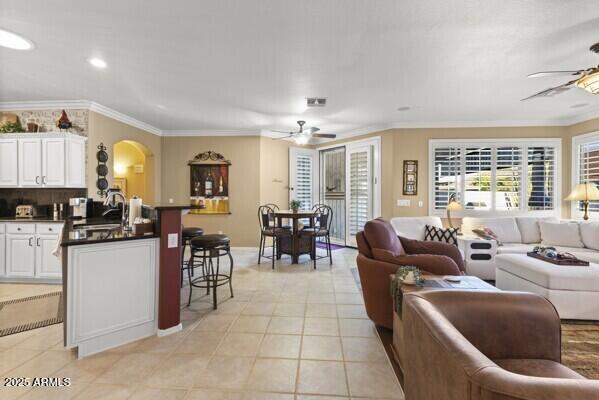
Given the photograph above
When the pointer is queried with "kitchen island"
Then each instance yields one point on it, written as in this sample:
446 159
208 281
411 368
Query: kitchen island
119 287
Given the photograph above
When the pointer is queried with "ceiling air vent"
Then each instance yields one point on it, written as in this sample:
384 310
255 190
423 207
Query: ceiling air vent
316 101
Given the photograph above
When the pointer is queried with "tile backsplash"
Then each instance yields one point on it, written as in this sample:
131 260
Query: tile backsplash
11 198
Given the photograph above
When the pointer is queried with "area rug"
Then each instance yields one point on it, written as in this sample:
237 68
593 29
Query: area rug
323 245
580 348
28 313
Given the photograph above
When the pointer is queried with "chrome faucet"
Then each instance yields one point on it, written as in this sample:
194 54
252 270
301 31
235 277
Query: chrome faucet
110 200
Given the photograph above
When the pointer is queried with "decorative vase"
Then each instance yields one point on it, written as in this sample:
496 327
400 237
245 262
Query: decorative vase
294 210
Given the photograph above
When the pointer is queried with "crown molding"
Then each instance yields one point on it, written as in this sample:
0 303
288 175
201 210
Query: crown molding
79 104
211 132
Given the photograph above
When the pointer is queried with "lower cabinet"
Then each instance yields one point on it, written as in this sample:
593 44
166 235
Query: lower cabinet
26 251
20 255
47 265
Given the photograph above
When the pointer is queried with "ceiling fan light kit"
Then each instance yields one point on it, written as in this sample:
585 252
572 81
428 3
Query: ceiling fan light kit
590 82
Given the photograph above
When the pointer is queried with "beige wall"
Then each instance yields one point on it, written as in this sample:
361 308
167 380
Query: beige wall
109 131
127 155
244 183
274 171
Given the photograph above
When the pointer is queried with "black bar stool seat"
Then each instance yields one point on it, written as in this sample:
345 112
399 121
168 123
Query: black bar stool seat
191 232
210 247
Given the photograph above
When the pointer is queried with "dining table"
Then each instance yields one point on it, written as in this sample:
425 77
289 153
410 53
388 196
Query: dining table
296 244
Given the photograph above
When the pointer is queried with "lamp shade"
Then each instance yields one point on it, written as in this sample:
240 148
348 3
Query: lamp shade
454 206
590 82
584 192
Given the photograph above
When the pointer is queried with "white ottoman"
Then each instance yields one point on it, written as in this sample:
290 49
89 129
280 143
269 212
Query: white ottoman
574 291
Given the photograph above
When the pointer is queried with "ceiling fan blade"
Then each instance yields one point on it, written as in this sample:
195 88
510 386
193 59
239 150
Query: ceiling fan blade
324 135
290 135
543 74
551 91
287 132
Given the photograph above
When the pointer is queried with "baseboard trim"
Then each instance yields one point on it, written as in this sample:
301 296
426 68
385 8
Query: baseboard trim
169 331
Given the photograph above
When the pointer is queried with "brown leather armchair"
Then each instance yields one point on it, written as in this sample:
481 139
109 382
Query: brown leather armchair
381 253
486 345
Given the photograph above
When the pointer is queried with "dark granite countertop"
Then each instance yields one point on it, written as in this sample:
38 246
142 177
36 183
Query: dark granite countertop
74 234
30 219
175 206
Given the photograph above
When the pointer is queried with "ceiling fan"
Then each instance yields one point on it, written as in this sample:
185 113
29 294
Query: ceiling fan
587 79
303 136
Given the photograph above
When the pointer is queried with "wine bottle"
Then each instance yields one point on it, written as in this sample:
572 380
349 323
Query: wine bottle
208 184
220 185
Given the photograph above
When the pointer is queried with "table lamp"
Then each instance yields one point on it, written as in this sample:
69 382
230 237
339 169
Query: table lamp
584 192
453 205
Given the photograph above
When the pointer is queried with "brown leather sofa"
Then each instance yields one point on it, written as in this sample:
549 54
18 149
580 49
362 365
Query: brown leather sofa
381 253
486 346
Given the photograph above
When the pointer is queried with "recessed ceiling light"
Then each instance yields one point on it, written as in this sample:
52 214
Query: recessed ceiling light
97 62
403 108
14 41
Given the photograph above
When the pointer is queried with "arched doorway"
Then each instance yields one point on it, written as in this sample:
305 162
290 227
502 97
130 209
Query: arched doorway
133 169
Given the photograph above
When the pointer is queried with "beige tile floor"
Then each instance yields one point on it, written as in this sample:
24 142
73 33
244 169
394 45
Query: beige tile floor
290 334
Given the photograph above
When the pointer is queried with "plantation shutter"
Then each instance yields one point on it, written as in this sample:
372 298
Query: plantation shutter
541 176
360 196
447 175
588 169
508 178
478 178
304 185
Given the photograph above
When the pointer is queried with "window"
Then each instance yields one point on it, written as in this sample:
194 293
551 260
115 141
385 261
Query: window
495 177
585 168
304 180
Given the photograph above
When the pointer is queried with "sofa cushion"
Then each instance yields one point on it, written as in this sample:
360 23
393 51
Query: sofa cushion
538 368
529 228
380 235
550 276
505 228
560 234
413 227
589 233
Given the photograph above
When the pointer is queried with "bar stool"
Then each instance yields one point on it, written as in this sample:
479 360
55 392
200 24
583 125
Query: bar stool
186 235
209 247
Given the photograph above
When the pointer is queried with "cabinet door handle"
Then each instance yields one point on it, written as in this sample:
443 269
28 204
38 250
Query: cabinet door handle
38 242
37 180
44 179
30 241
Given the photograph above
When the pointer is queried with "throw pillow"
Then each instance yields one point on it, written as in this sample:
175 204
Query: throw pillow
487 234
565 234
434 234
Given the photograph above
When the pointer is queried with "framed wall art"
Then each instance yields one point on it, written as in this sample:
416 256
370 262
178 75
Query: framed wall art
410 177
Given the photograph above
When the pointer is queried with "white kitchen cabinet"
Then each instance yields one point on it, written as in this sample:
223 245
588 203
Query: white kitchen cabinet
42 160
20 255
28 251
47 265
75 162
53 162
30 162
9 176
2 251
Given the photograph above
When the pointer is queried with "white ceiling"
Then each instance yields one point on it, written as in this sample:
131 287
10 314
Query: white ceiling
245 66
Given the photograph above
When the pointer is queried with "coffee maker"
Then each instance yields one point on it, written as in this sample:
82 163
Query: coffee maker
81 207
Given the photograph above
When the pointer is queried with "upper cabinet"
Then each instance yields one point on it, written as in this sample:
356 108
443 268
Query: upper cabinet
42 160
9 176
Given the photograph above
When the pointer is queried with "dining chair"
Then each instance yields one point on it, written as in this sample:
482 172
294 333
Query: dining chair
321 229
269 228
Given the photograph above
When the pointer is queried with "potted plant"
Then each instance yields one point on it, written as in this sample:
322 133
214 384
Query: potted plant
295 205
